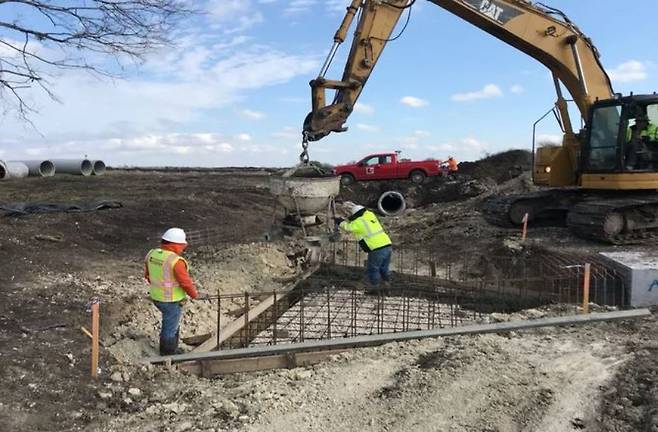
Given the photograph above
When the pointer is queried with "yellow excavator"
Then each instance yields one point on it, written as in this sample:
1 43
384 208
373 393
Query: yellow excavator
601 181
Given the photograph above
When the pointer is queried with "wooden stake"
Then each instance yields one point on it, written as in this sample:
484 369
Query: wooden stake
95 321
586 289
525 227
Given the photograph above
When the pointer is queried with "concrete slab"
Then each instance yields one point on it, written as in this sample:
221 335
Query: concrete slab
640 270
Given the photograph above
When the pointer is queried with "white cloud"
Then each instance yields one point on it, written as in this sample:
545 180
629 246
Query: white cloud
473 143
234 15
413 141
549 138
337 5
414 102
299 6
441 147
363 108
36 151
488 91
157 104
516 89
367 128
251 114
295 100
288 133
468 148
182 144
630 71
295 7
243 137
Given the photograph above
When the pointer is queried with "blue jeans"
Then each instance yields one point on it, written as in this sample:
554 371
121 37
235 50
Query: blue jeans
377 267
171 313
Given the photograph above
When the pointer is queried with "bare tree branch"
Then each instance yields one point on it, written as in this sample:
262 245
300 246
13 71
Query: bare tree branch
76 34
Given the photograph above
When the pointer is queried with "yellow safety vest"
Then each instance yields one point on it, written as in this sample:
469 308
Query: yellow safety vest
164 286
651 132
368 231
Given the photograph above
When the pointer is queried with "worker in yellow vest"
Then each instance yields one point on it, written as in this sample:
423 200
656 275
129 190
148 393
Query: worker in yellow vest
365 226
170 284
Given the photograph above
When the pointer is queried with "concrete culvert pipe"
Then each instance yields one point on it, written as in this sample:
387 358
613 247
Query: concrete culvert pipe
3 170
391 203
39 168
82 167
98 167
17 170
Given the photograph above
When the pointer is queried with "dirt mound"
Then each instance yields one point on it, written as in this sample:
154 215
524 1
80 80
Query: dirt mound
501 166
436 189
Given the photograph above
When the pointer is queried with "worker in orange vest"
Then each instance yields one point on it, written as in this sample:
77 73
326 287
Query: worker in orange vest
452 165
170 285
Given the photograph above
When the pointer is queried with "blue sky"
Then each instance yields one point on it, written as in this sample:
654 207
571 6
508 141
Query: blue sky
234 91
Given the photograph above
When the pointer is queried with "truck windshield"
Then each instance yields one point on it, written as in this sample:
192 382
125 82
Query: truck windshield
603 145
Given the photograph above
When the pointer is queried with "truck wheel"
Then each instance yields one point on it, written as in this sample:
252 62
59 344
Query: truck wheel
417 176
346 179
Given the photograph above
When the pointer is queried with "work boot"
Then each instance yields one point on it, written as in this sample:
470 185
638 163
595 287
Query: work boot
174 344
386 287
371 289
170 347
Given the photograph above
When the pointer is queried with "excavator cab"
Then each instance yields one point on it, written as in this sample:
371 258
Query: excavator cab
621 151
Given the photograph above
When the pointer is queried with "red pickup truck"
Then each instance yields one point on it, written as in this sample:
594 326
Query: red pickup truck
387 166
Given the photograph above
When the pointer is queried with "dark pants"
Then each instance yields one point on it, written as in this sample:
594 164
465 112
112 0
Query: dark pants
378 263
171 313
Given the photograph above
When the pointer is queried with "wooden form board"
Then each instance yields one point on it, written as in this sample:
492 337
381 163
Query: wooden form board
211 368
237 325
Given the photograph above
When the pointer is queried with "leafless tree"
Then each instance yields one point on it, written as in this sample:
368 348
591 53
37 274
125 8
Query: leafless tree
53 35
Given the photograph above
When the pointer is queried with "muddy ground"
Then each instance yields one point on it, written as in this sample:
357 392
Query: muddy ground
594 378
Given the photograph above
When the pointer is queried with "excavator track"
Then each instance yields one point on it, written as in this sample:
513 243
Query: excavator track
548 207
612 217
631 220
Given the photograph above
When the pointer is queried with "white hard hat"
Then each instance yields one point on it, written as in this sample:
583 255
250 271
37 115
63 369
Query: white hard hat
356 209
175 235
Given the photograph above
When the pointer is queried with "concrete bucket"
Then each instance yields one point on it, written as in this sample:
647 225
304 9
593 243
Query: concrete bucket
305 196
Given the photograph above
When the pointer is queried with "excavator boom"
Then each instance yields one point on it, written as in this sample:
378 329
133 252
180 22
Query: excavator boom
543 33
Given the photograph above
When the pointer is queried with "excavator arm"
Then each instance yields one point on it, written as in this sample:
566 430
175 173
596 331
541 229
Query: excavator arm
544 33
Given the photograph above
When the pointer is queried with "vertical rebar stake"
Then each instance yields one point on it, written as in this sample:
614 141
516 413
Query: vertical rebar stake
219 317
328 313
274 317
246 320
301 314
95 328
586 289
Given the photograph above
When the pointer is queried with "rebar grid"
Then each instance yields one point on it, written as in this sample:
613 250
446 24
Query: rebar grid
555 276
335 302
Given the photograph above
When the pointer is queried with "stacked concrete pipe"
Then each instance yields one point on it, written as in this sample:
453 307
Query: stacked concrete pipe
98 167
16 169
82 167
39 168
